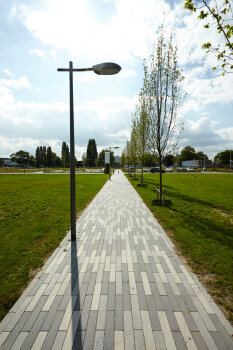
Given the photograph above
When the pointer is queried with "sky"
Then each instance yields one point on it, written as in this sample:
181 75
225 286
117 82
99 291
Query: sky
39 36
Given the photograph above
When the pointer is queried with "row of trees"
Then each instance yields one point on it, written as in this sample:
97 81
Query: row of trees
44 156
222 159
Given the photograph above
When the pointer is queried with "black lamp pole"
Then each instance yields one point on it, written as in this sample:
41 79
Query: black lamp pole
107 68
72 159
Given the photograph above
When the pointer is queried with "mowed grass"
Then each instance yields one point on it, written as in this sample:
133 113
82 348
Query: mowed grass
34 218
200 221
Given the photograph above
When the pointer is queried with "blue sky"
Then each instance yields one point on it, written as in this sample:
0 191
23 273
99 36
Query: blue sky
37 37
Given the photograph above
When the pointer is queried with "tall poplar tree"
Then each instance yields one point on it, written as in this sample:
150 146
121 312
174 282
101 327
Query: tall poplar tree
49 156
91 152
63 153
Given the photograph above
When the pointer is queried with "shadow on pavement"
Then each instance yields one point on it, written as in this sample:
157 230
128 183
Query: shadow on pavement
75 300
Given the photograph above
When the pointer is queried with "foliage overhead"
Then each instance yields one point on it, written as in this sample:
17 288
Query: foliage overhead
220 14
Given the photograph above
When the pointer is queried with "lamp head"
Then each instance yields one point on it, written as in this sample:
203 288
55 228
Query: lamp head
107 68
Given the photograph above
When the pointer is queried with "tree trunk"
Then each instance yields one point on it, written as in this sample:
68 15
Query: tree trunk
141 179
160 179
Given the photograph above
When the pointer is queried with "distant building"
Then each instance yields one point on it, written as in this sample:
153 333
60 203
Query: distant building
197 163
8 162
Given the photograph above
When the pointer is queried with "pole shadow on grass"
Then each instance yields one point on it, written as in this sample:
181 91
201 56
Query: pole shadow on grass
75 299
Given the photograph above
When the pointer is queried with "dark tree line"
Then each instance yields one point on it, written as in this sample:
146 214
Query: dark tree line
46 157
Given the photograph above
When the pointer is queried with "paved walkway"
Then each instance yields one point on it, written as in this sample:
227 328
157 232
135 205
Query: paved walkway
120 287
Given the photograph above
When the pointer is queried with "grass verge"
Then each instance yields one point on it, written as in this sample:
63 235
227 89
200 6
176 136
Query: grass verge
200 222
34 218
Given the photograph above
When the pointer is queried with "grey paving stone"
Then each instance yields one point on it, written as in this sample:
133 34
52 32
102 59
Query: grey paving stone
159 340
15 332
139 340
172 321
51 314
34 314
91 284
125 274
111 296
154 320
34 331
187 298
199 341
109 331
173 303
179 340
157 298
119 315
90 331
223 334
104 289
64 301
38 284
81 297
126 297
59 340
85 313
49 340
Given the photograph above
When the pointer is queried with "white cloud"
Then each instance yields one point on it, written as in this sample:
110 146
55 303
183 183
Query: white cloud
206 135
6 71
15 83
37 52
74 27
43 53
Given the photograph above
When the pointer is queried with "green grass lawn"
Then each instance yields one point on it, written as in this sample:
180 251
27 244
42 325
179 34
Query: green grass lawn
200 221
34 218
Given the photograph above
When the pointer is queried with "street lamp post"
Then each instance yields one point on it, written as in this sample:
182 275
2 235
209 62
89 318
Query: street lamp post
110 161
107 68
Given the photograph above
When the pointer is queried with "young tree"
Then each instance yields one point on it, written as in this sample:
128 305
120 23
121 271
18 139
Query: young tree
123 159
220 13
128 154
133 145
162 87
91 152
142 128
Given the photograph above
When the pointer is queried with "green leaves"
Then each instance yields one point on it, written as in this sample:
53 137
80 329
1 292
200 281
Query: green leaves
221 15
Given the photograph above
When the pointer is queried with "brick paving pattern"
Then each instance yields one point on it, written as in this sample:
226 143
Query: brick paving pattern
120 286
